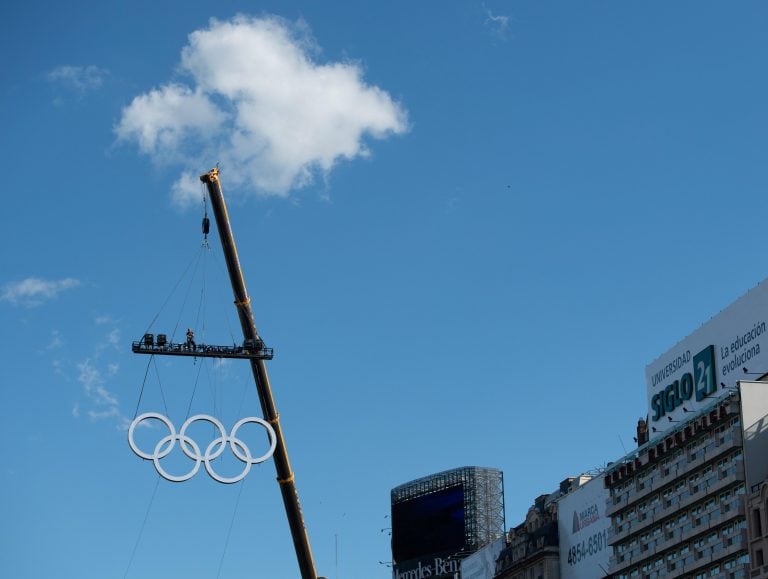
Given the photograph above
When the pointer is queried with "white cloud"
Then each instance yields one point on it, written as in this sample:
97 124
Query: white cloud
81 79
110 341
34 291
122 421
259 103
498 23
104 402
162 118
93 384
56 342
101 414
113 338
97 400
186 189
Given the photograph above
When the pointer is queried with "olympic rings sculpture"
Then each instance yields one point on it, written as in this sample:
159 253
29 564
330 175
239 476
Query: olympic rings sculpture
191 449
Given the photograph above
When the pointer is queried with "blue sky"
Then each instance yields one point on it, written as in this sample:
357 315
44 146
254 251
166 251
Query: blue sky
466 228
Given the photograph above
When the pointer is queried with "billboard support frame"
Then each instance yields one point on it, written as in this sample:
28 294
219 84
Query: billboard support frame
483 500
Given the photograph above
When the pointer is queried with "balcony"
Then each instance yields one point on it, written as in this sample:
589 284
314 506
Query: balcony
708 558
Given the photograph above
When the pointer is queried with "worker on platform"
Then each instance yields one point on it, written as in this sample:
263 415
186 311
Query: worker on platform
191 340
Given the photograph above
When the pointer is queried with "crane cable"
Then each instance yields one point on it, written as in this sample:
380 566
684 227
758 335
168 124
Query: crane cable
202 307
157 480
144 383
206 221
194 389
207 250
176 285
141 529
227 314
206 228
229 531
186 294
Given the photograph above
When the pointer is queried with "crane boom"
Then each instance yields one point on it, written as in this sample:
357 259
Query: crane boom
285 476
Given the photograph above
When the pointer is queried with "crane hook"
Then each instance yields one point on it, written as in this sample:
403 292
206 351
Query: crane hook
206 221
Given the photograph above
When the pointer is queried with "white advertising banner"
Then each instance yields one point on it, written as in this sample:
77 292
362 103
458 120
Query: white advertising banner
754 421
482 565
583 529
707 363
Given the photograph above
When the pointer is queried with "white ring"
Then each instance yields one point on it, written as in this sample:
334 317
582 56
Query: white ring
216 476
270 433
161 471
205 418
137 421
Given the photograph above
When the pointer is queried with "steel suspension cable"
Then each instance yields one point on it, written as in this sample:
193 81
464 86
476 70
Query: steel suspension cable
211 388
168 297
160 385
186 294
141 392
203 304
227 313
141 529
194 389
229 531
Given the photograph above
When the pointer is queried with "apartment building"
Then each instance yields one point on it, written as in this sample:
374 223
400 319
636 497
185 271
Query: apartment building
678 503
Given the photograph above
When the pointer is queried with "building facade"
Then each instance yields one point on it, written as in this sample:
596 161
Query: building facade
757 507
532 550
678 503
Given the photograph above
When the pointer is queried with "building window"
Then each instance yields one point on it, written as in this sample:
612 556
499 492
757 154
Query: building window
759 557
756 522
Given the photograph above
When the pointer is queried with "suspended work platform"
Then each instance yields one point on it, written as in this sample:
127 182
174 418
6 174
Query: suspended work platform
250 349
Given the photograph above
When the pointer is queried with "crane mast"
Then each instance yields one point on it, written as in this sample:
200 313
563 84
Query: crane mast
285 476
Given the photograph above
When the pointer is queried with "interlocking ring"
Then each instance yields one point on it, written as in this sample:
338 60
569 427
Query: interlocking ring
191 449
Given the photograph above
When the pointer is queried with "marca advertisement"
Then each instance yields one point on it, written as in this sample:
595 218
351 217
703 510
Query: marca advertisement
583 529
712 359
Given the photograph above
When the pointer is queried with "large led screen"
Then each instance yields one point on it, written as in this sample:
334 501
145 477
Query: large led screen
433 523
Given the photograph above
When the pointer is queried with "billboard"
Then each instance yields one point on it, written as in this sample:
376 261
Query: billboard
441 518
707 363
428 524
583 530
754 421
482 565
